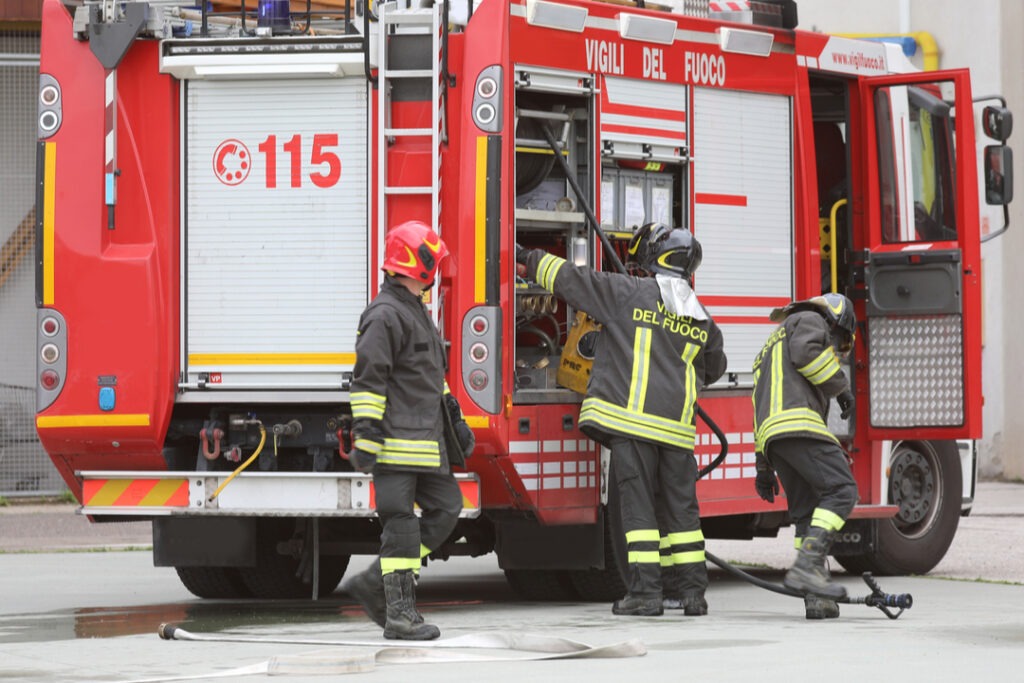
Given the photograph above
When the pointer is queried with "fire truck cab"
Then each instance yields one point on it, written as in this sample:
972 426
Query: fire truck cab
215 187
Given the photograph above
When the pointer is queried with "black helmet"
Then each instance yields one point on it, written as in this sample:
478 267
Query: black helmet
841 318
837 311
657 248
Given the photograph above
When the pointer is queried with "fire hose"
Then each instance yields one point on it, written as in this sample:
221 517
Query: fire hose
877 598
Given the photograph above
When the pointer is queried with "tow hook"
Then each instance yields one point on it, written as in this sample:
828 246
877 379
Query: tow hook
211 429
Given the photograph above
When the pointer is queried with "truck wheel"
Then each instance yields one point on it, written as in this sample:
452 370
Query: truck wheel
541 584
278 576
213 583
927 483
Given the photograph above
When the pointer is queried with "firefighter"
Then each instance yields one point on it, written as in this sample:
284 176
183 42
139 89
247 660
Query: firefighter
398 392
795 375
658 347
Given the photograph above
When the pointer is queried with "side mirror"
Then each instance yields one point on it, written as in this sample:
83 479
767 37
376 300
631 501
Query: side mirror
997 122
998 174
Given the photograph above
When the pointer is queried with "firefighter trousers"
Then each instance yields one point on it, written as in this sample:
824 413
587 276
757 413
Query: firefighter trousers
819 485
406 539
657 488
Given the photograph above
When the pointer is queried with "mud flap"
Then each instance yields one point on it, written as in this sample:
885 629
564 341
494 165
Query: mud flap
858 537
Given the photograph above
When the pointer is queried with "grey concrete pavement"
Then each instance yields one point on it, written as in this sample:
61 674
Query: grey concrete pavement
70 617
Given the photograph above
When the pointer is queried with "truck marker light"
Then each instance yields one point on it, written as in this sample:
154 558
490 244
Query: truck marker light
49 379
478 380
49 353
479 325
486 88
49 327
48 95
553 15
48 121
478 352
485 114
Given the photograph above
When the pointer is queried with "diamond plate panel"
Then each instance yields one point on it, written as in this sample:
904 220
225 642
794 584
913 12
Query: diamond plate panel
916 371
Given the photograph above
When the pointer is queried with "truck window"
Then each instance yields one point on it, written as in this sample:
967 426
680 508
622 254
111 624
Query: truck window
916 164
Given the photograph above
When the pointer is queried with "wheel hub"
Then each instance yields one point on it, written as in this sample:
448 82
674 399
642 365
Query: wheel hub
912 488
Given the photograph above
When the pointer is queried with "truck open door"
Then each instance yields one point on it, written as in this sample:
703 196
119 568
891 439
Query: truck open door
922 272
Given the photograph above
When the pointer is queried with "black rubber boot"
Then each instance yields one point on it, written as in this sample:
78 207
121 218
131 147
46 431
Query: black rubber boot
694 604
820 608
808 574
682 586
636 606
403 621
368 588
671 587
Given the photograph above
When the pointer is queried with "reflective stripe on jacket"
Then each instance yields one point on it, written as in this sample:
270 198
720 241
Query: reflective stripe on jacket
795 375
399 380
649 364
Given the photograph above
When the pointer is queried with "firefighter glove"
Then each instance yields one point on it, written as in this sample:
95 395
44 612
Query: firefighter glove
845 400
766 484
362 461
368 439
522 254
467 440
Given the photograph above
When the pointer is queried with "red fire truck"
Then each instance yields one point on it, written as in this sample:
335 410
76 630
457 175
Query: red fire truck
214 190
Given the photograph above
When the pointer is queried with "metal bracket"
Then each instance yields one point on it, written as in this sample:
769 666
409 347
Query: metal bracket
109 41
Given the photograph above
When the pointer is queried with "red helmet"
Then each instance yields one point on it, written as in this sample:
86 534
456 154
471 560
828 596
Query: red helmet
414 250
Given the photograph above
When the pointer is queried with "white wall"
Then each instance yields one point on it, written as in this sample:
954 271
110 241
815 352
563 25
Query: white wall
984 36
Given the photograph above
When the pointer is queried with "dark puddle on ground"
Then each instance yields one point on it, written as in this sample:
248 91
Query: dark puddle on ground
214 615
208 616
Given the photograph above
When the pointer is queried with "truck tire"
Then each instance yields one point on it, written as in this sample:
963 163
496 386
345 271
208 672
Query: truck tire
927 483
213 583
276 576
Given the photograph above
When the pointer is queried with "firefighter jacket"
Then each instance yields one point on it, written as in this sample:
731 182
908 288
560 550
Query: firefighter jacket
649 363
795 375
398 383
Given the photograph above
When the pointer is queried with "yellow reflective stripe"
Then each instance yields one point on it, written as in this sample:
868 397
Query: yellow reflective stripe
366 404
689 557
641 363
397 564
826 519
792 420
644 557
690 352
103 420
642 535
797 542
368 445
753 400
547 270
821 368
651 427
424 550
682 537
776 399
48 209
790 428
223 359
480 223
405 452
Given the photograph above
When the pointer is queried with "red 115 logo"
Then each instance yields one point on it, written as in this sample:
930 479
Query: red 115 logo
232 161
